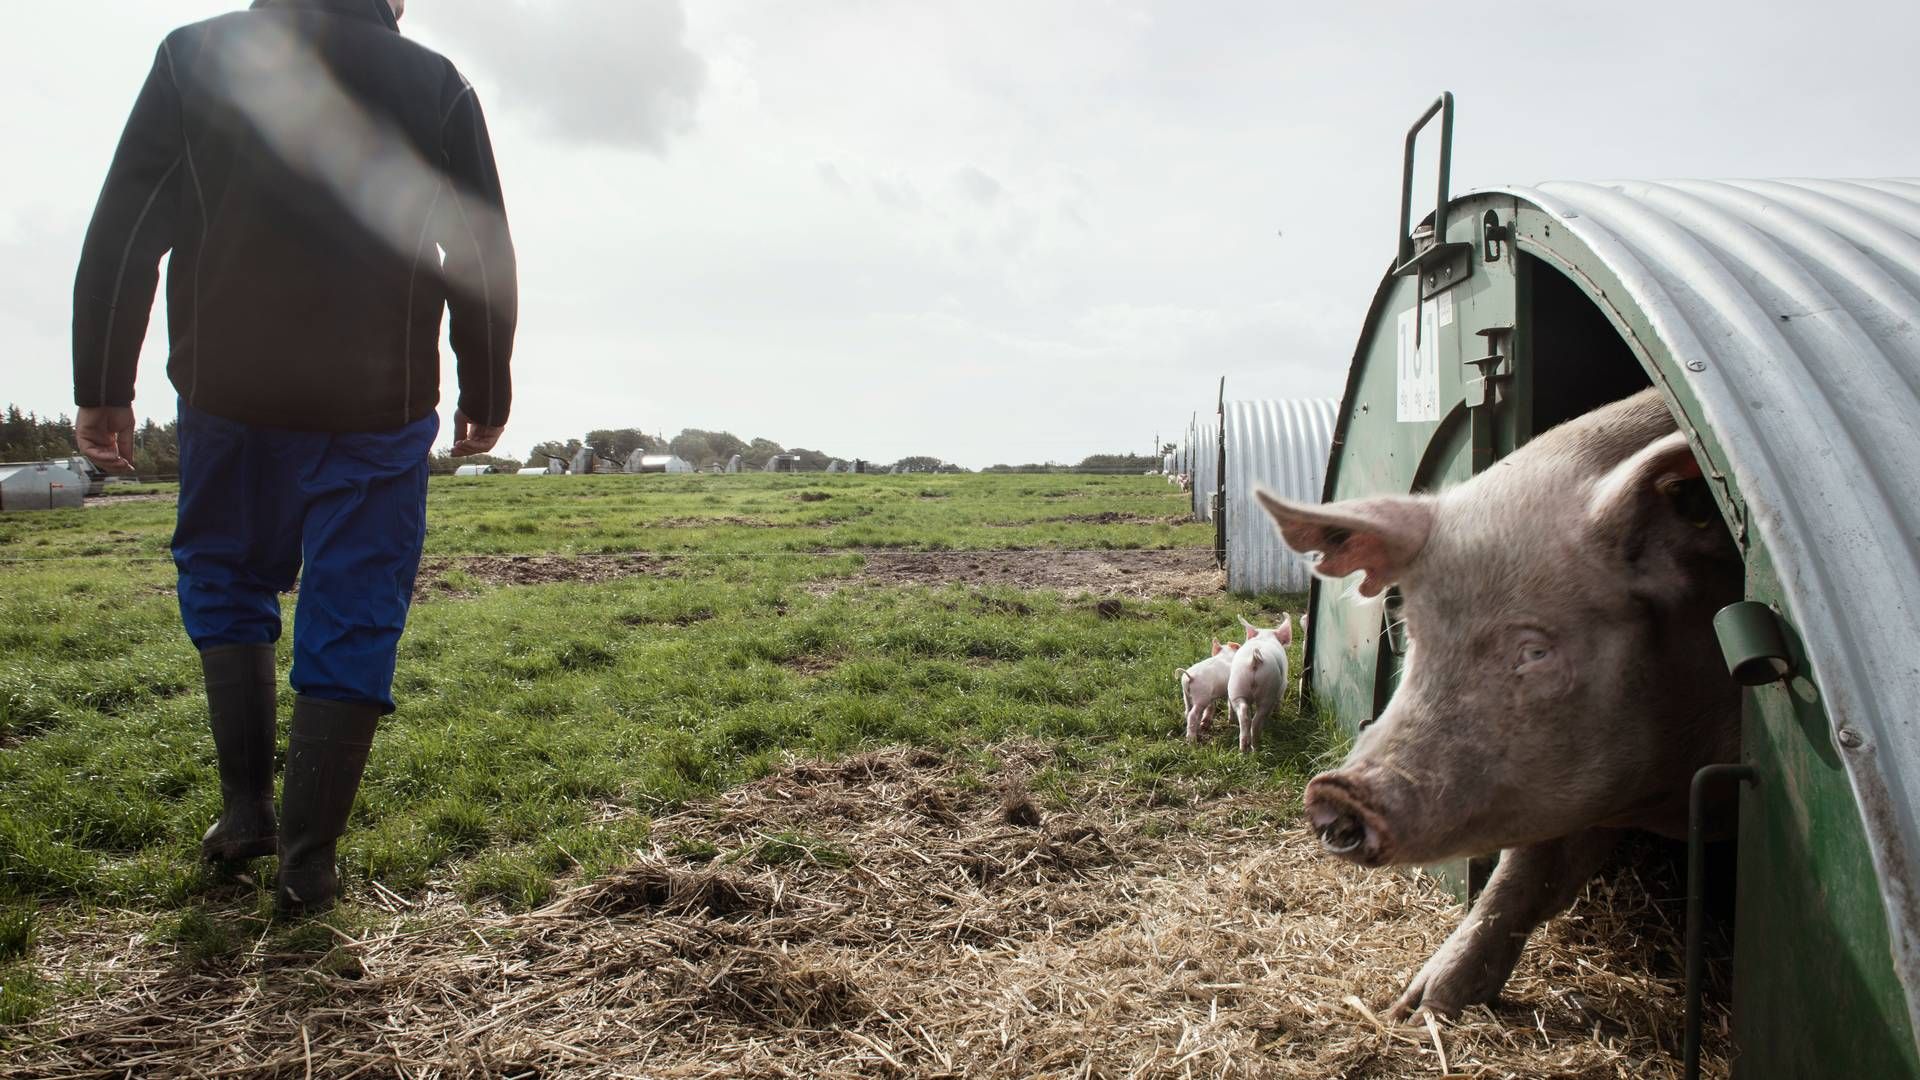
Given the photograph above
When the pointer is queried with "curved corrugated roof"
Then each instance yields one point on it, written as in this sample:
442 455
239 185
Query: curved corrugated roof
1791 312
1284 446
1204 454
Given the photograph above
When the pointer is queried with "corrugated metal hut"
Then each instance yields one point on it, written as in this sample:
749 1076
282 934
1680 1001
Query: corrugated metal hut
657 463
1205 443
1779 321
475 470
40 486
1280 445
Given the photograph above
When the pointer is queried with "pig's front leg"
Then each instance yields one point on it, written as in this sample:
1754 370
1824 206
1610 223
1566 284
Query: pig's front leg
1530 886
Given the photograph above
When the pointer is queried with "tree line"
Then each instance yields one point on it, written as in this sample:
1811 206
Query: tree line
26 436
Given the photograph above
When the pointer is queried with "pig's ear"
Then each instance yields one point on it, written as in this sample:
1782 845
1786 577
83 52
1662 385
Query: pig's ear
1652 510
1285 633
1625 498
1380 537
1216 647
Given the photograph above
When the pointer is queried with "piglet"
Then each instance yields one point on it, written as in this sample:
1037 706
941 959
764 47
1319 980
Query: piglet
1203 685
1258 678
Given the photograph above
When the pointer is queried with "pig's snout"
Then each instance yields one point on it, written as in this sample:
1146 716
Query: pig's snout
1338 808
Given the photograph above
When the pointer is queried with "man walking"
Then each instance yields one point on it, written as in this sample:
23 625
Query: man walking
326 188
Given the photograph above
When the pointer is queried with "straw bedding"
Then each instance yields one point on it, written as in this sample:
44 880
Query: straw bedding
900 914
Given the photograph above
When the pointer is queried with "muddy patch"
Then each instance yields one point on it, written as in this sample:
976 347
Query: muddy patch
95 501
1183 572
809 666
925 919
1115 517
728 521
434 581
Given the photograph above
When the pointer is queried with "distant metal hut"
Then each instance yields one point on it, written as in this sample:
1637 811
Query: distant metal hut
1170 464
475 470
783 463
83 467
1204 458
836 466
733 464
41 486
1283 446
658 463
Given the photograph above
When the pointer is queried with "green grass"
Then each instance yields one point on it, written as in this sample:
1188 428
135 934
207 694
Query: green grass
542 727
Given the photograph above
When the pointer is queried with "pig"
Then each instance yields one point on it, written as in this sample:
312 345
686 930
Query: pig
1203 685
1562 679
1258 679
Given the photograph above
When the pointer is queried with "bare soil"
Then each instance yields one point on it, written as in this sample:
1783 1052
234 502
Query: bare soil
900 914
533 570
1181 572
123 500
729 520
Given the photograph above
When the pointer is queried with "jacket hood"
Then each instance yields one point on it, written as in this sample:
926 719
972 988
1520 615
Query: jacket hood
376 10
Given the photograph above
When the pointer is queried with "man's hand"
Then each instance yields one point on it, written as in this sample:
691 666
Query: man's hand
469 438
105 435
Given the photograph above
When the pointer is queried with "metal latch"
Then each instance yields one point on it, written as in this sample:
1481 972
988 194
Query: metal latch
1493 237
1482 393
1750 639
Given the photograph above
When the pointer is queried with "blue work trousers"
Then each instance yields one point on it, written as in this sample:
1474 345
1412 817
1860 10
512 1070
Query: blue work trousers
257 503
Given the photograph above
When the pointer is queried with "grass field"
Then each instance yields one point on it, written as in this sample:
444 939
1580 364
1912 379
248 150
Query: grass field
544 724
749 776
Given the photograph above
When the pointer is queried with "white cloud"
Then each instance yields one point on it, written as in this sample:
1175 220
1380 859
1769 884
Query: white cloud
602 71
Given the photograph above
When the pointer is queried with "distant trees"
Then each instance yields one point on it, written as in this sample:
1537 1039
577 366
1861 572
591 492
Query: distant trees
1094 463
445 464
618 444
700 448
554 448
157 449
812 460
1133 463
25 436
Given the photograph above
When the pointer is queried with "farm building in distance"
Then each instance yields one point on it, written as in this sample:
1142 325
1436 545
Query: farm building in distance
41 486
641 462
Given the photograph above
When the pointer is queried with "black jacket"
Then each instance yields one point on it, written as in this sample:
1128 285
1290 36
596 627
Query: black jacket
303 162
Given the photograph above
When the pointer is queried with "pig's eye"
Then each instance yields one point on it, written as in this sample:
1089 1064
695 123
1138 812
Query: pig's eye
1534 652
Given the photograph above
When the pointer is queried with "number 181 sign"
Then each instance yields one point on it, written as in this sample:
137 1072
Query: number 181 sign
1417 396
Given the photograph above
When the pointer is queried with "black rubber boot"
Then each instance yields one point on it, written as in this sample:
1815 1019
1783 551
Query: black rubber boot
240 709
325 757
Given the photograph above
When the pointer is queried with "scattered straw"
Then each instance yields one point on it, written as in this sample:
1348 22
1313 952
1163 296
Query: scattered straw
1118 935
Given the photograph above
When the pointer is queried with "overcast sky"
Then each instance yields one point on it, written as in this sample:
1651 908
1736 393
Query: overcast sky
987 231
